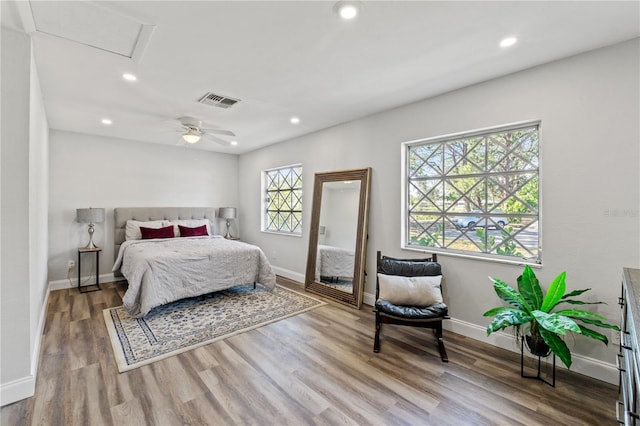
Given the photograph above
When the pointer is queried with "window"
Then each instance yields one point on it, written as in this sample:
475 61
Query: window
282 207
474 193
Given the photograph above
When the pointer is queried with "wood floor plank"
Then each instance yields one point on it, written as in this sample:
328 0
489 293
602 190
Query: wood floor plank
252 349
79 305
181 380
200 359
369 375
89 401
50 404
225 400
58 301
208 411
158 403
331 417
82 345
56 336
265 399
130 412
314 368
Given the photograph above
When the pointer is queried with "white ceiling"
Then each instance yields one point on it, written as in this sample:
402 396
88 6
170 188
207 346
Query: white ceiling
289 58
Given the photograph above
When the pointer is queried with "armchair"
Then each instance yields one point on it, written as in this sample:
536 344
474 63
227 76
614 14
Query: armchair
409 292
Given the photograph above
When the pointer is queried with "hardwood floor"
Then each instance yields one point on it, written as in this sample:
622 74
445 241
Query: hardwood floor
314 368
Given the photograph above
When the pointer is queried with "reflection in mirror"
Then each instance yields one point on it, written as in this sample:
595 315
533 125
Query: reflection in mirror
337 240
337 234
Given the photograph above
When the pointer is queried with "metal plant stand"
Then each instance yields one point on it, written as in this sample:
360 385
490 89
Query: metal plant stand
538 376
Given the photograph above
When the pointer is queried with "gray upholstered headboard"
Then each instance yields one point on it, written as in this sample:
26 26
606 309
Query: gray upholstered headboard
122 214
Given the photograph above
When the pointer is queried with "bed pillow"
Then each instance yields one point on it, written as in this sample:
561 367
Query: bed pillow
191 223
151 233
410 291
198 231
132 228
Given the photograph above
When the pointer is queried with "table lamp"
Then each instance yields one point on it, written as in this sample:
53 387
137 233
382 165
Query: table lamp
227 213
90 216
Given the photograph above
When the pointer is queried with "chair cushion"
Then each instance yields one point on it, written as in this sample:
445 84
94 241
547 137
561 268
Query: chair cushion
412 312
410 291
408 268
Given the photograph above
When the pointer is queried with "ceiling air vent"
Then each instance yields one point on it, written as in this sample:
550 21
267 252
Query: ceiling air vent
217 100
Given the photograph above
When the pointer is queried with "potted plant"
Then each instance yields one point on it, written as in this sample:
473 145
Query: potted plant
534 315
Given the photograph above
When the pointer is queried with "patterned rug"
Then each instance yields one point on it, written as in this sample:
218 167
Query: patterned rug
186 324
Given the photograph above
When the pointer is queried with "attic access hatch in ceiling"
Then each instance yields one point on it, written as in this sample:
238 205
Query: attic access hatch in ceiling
90 24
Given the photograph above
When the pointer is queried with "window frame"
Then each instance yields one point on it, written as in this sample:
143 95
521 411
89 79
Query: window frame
405 208
264 212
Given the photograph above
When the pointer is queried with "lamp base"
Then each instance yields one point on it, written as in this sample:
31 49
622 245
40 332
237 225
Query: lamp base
228 236
91 245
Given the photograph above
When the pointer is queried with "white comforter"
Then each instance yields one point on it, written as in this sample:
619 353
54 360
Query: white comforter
334 262
165 270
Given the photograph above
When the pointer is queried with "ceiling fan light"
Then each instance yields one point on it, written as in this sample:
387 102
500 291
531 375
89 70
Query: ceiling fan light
191 137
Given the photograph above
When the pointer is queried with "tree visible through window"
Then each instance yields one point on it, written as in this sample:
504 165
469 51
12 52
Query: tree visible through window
282 210
475 193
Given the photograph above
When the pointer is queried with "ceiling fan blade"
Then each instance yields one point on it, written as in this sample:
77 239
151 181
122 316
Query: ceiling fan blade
217 139
218 131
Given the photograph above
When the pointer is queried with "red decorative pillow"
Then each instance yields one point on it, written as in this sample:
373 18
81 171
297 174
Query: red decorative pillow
198 231
150 233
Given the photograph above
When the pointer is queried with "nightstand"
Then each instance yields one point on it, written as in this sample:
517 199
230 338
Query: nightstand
87 288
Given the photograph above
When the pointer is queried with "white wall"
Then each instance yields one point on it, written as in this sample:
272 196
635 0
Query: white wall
589 107
95 171
23 218
38 210
339 215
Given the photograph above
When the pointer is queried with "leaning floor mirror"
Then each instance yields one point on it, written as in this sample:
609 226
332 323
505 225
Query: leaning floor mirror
338 235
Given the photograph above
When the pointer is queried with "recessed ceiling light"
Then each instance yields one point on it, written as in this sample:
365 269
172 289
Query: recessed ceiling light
294 120
347 9
106 121
234 143
129 77
509 41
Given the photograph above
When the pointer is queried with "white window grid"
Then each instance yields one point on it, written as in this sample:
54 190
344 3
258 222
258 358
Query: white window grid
475 193
282 207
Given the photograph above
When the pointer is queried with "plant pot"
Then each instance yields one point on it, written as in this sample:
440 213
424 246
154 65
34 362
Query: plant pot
536 345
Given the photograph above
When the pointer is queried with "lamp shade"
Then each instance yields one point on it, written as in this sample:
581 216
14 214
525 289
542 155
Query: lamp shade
227 212
90 215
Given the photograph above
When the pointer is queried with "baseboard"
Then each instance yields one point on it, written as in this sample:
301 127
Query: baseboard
25 387
368 299
35 356
581 364
17 390
294 276
73 282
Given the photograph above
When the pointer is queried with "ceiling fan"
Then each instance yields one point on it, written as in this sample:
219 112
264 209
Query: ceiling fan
192 131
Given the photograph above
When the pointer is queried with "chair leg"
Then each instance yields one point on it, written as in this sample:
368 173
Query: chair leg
443 351
376 340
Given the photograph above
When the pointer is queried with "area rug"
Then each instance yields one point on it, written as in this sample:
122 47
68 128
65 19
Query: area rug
186 324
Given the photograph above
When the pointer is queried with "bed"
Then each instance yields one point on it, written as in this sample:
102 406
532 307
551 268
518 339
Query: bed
163 270
334 262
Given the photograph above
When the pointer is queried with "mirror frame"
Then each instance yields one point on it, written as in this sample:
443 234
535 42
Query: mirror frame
311 285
